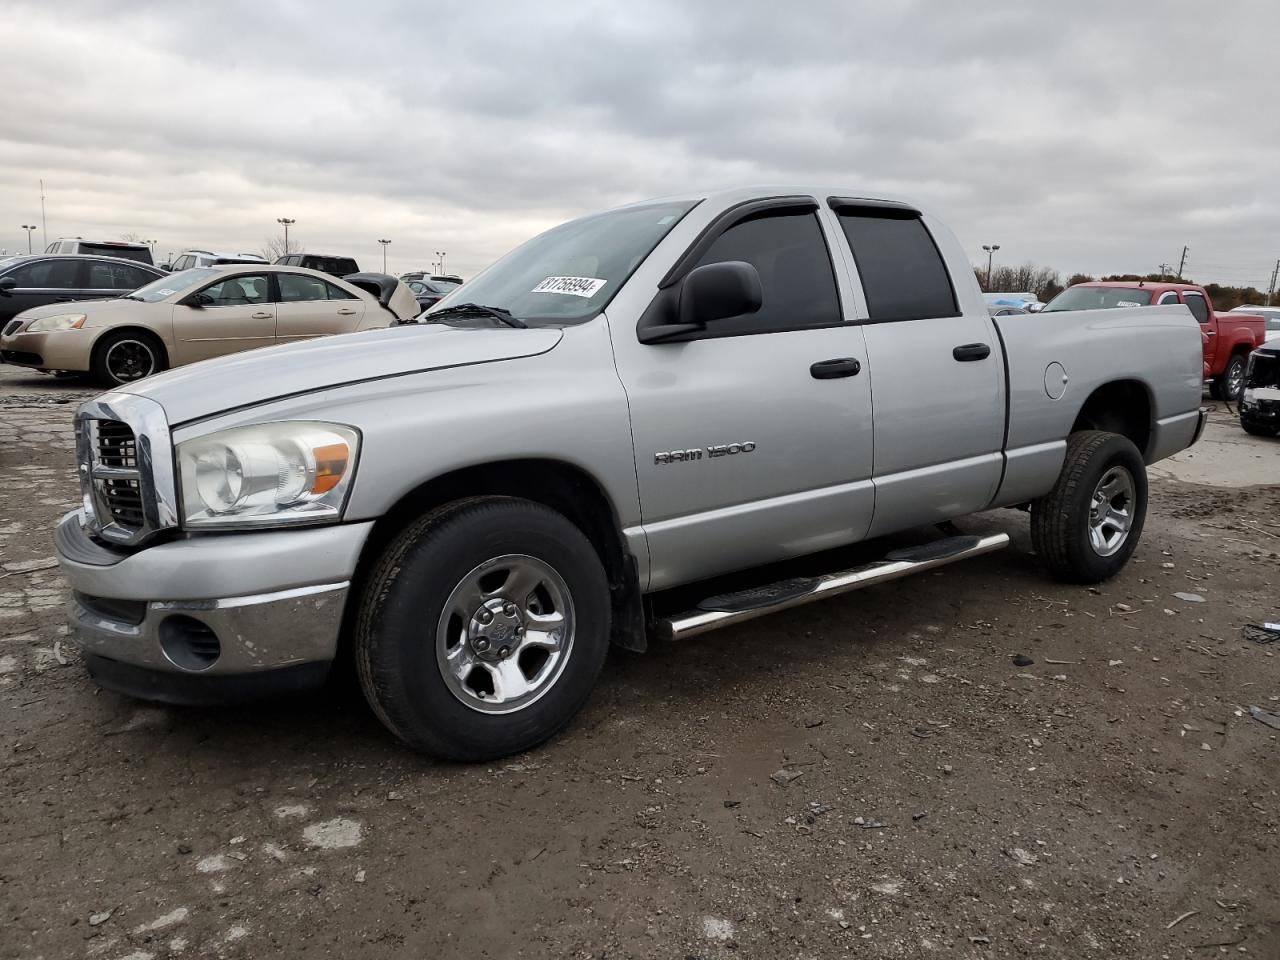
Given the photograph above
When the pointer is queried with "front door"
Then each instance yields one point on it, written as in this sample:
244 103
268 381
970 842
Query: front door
1200 310
311 307
935 370
753 438
234 313
40 282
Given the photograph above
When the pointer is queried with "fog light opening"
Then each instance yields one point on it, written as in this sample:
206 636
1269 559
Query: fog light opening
189 644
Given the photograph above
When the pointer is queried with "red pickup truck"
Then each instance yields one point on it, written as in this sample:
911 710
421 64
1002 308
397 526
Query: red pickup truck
1228 338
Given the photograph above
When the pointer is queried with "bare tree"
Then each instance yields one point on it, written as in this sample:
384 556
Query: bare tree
273 248
132 237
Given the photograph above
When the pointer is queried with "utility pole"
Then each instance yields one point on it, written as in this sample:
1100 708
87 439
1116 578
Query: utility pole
1272 289
1164 270
991 251
44 224
385 244
1183 262
31 229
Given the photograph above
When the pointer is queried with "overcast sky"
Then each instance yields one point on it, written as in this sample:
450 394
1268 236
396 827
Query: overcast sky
1087 136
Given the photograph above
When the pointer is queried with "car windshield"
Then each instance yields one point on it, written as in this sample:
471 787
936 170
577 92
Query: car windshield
168 285
1081 297
569 273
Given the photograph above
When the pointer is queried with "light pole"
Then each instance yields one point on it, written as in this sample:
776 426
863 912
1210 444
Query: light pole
385 244
285 222
30 230
991 251
440 261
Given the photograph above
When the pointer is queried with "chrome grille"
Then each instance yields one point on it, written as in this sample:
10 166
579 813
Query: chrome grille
126 468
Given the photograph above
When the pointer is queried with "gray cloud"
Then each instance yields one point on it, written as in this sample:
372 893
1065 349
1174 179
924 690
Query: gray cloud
1094 137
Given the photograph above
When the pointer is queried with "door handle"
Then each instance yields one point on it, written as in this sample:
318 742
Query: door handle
831 369
1210 333
971 351
260 316
346 312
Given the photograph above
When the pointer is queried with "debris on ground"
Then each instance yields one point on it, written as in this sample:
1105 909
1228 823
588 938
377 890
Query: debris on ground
785 776
1178 919
1190 597
1262 632
1263 716
1021 857
1022 660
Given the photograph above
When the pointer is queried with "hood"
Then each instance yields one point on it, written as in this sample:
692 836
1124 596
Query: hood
256 376
90 308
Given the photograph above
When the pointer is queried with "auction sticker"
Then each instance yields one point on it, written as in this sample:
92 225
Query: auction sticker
570 286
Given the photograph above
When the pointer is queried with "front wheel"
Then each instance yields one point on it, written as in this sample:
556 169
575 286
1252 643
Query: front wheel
483 628
1257 429
124 357
1086 528
1230 385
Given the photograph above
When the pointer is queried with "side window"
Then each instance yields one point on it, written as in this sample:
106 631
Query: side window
791 256
1167 297
902 272
46 274
1195 303
337 293
131 278
295 288
238 291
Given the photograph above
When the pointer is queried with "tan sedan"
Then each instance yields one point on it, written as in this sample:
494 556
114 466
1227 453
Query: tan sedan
197 314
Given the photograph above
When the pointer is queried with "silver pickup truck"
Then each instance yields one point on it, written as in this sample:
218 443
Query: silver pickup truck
474 506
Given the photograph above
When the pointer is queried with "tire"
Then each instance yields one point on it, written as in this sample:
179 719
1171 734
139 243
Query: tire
1256 430
417 639
126 356
1063 522
1220 387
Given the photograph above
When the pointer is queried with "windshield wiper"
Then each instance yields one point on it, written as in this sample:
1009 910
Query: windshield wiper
477 310
130 296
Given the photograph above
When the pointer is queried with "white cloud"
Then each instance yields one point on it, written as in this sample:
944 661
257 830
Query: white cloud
1096 137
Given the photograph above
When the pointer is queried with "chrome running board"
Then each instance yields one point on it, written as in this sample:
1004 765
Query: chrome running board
731 609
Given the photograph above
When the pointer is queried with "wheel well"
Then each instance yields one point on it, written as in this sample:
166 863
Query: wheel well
142 332
562 487
1122 407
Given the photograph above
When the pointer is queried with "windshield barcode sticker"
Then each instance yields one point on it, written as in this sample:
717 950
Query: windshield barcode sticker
570 286
1128 303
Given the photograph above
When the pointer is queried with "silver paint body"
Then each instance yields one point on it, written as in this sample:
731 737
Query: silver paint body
917 437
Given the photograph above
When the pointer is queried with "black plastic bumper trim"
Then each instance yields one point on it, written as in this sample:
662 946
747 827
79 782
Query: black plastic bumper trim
201 690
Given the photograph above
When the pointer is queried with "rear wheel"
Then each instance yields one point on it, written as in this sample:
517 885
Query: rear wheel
1257 429
483 629
125 357
1087 527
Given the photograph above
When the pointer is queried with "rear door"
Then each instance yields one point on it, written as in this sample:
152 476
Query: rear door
40 282
312 307
934 367
240 315
104 280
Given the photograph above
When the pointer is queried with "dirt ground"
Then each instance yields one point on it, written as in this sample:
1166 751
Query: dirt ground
869 777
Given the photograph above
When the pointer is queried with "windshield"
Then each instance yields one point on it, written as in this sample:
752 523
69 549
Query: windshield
1081 297
172 283
570 273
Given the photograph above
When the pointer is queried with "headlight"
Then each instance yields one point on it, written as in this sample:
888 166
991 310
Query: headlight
63 321
267 475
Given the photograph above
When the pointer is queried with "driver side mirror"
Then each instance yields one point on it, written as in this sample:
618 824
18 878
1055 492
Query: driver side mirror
1034 307
199 300
7 284
711 292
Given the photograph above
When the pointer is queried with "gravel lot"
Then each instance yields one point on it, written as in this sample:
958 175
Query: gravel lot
869 777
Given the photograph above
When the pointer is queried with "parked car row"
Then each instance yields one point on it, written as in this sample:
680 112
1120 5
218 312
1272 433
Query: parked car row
183 317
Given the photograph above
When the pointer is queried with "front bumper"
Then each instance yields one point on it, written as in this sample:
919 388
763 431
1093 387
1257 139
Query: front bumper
55 350
218 607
